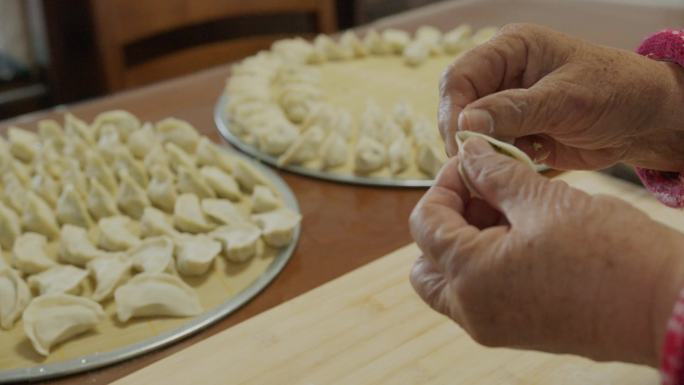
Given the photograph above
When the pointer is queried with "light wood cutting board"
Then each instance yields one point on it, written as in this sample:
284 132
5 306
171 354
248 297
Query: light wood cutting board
368 327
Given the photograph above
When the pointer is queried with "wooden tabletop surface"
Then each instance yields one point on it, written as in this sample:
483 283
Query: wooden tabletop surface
344 226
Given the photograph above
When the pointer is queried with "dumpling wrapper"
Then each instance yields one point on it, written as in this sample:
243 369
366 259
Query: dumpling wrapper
223 211
239 240
29 253
263 199
220 182
277 227
153 255
188 215
499 146
71 209
116 233
14 296
54 318
58 279
109 271
195 254
154 222
10 227
75 246
156 294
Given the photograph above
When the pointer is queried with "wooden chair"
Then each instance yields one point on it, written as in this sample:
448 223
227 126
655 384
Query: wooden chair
142 41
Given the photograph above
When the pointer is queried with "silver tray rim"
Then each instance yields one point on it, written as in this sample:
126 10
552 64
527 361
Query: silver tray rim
97 360
222 124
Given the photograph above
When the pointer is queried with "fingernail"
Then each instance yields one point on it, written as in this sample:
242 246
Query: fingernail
477 146
476 120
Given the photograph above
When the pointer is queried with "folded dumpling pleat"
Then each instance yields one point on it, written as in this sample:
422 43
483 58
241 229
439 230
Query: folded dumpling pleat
277 227
109 271
153 255
154 222
14 296
263 199
54 318
96 167
43 184
24 145
131 197
370 155
162 188
156 294
188 215
38 217
178 132
116 233
124 161
139 141
74 126
75 247
192 182
210 154
58 279
71 209
195 254
178 157
100 201
29 253
223 211
246 175
239 240
220 182
124 122
10 227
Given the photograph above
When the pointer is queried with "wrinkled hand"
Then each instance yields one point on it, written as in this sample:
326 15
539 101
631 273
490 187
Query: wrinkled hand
537 264
567 103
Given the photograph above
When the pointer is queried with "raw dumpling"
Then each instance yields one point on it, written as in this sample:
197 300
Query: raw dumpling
334 150
139 142
156 156
457 40
429 158
51 133
100 202
277 227
246 175
116 233
95 167
263 199
109 272
125 122
74 126
75 246
370 155
45 186
190 181
71 209
403 116
153 255
75 148
54 318
73 174
156 294
375 44
223 211
14 193
131 198
223 184
305 148
416 53
154 222
24 145
209 154
195 254
396 39
326 47
58 279
10 227
178 157
399 154
188 215
239 240
431 38
14 296
29 253
352 43
109 142
38 217
178 132
162 188
278 137
124 161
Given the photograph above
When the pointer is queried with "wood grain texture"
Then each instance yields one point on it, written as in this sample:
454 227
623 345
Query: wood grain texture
369 327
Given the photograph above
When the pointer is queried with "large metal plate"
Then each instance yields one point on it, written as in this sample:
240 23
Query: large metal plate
196 324
223 124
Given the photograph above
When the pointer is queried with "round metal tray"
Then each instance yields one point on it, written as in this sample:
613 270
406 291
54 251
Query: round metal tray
97 360
222 123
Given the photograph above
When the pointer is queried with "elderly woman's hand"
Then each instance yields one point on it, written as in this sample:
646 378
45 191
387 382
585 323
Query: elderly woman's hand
537 264
568 103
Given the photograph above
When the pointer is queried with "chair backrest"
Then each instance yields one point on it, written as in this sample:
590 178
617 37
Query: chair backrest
142 41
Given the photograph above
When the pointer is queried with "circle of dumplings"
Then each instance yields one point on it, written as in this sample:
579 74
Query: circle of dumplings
121 214
355 109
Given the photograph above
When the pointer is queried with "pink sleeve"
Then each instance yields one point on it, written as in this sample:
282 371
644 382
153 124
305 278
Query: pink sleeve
668 187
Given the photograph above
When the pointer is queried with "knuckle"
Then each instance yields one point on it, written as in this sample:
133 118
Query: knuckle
524 30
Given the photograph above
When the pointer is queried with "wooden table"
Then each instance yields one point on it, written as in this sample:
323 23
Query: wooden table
344 226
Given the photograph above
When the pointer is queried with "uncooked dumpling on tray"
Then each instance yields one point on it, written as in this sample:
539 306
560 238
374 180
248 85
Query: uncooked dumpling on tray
359 108
126 209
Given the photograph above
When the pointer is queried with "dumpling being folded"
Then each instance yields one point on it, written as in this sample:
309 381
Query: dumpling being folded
154 222
246 175
162 188
223 211
190 181
239 240
75 247
124 122
277 227
195 254
178 132
10 227
100 202
153 255
220 182
370 155
131 198
14 296
210 154
71 209
38 217
29 253
124 161
263 199
116 233
24 145
188 215
54 318
95 167
156 294
109 271
139 141
58 279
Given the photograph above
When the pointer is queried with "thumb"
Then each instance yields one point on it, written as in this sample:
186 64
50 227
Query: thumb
505 183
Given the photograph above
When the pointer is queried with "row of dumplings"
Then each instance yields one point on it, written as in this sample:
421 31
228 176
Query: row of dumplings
115 199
